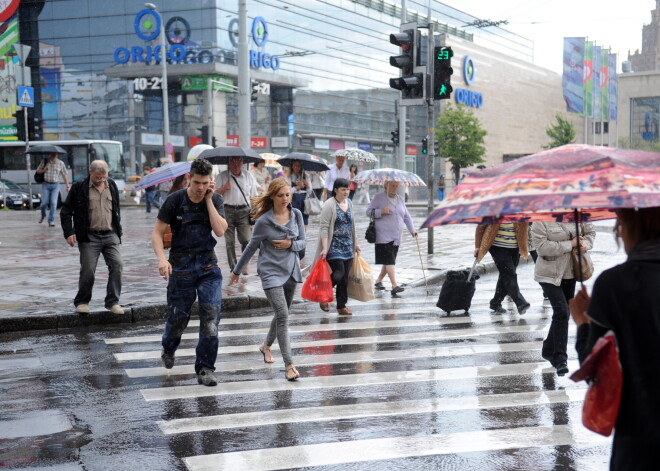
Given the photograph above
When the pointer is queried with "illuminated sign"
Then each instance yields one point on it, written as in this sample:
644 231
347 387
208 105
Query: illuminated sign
468 70
260 59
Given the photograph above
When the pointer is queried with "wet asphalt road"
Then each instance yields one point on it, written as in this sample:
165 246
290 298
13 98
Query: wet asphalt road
398 385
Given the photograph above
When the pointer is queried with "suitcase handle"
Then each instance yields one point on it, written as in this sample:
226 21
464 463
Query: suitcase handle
472 269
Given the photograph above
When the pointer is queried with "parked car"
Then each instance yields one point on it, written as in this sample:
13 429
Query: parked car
15 197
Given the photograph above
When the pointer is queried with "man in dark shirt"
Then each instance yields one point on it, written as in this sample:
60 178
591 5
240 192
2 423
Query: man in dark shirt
194 214
150 193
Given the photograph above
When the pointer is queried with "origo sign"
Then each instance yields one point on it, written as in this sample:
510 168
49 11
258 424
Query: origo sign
260 59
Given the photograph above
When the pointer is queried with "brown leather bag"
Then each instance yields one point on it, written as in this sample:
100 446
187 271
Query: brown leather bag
167 238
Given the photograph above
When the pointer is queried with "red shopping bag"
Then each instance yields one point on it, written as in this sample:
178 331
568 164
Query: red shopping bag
602 370
318 285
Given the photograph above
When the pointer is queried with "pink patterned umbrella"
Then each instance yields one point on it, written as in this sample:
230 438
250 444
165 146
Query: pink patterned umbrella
555 185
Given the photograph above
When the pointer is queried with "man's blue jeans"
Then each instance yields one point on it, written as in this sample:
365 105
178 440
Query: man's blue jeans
108 245
150 199
194 275
49 194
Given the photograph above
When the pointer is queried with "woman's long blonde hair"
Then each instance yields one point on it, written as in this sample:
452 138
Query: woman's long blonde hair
264 203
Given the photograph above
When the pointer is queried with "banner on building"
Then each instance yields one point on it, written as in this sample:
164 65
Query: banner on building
573 75
604 84
595 83
588 78
613 88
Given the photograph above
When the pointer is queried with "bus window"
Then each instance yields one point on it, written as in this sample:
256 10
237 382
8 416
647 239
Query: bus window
112 155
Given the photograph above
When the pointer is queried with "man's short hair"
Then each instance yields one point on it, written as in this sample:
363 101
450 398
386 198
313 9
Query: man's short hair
201 167
98 166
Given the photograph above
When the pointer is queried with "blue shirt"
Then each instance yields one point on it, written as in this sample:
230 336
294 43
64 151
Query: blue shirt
342 241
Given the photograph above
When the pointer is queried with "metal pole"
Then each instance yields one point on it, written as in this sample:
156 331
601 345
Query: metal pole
430 164
403 110
209 92
27 156
163 63
244 95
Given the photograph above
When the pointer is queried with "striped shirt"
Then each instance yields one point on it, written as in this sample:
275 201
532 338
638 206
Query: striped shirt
54 170
506 236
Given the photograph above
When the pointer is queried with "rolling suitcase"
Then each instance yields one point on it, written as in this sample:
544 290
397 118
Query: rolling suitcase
458 289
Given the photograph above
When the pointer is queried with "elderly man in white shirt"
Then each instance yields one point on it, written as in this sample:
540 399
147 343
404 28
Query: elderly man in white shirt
337 170
237 186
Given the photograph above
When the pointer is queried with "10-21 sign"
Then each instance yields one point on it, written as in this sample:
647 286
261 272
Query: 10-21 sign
144 83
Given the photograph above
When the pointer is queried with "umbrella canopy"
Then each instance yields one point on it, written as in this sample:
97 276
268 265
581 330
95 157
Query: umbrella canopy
46 149
271 159
356 154
221 155
198 149
163 174
551 185
379 176
309 162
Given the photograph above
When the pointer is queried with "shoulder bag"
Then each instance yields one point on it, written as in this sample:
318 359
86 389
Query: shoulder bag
370 235
586 264
252 221
40 177
312 204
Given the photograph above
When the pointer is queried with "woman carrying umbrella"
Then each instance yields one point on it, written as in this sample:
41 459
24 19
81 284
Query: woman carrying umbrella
337 241
279 236
299 188
391 214
554 242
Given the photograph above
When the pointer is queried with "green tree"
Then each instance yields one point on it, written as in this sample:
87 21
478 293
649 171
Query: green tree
560 133
460 138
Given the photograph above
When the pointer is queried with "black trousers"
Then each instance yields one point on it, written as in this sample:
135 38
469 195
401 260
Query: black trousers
555 344
506 261
340 270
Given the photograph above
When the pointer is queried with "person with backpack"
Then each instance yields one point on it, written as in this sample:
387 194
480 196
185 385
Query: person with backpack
192 272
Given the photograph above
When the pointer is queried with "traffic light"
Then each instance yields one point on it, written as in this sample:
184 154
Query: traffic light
442 72
255 91
410 83
395 136
436 147
204 134
20 124
425 146
35 129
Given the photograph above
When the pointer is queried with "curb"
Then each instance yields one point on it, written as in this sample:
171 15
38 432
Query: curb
132 314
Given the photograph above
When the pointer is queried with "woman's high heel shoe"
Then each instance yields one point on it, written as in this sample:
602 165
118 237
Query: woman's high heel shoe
291 369
263 349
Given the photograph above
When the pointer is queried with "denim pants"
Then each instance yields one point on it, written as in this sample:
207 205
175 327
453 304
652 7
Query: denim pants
340 269
49 195
238 222
506 260
194 276
150 199
108 245
555 344
298 202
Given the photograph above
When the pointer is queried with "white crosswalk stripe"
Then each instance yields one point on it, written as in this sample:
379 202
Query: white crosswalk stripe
439 366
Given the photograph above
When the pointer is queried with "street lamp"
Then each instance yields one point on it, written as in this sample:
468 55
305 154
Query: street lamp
163 63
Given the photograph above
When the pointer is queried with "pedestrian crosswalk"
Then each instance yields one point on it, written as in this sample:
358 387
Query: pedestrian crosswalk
398 385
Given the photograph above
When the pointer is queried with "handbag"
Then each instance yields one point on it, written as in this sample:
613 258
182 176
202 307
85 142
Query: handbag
587 264
312 204
370 234
250 220
602 370
318 285
360 280
40 177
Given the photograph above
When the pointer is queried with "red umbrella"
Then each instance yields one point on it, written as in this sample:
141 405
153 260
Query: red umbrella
560 184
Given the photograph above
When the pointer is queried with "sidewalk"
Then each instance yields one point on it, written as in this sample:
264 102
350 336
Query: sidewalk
39 274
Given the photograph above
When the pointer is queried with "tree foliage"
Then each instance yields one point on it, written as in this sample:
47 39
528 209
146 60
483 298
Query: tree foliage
560 133
460 138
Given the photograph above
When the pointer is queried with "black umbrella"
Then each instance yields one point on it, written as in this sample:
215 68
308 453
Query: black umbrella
46 149
221 155
309 162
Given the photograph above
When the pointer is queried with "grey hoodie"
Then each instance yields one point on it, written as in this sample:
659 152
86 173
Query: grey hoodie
275 266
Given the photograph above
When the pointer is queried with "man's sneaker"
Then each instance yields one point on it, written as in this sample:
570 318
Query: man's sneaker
396 290
41 219
522 309
116 309
562 369
167 359
206 377
51 224
497 308
379 286
82 309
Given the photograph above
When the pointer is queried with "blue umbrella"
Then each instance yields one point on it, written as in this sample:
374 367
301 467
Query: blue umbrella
164 174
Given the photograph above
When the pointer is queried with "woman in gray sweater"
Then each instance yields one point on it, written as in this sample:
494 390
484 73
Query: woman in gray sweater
279 234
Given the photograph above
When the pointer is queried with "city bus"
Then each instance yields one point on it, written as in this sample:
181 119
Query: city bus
79 154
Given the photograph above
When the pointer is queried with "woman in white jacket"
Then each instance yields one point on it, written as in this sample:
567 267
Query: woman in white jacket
554 242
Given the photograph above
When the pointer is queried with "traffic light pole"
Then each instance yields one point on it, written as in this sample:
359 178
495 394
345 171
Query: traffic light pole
430 163
27 156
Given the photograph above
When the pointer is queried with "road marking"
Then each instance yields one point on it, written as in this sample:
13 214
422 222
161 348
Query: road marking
349 380
379 339
371 409
346 358
360 451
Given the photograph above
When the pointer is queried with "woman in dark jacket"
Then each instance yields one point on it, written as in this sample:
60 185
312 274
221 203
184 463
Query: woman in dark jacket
626 299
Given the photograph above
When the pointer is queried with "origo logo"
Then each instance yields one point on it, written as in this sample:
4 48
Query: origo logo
260 59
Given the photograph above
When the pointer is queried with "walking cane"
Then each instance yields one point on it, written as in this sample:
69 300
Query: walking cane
422 264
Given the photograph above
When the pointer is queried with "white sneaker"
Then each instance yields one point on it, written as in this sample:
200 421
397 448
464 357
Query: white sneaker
116 309
82 309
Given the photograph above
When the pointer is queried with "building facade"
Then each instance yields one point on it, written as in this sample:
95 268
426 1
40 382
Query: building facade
320 70
649 58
